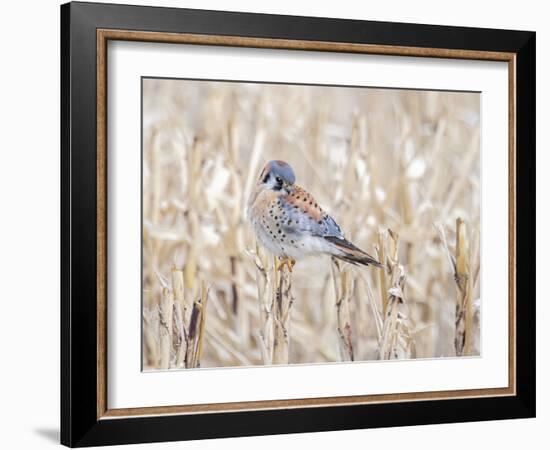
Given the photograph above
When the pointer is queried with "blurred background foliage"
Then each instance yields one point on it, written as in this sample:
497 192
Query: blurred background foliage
375 159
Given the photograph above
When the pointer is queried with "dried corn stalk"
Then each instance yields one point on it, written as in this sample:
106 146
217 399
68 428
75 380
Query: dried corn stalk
165 316
396 341
343 290
282 303
382 273
195 331
275 301
181 326
464 311
264 283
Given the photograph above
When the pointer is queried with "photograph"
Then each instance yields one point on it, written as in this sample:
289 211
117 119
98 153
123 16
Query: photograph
308 224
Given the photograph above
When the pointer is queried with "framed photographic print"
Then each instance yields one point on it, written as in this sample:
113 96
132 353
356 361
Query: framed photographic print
277 224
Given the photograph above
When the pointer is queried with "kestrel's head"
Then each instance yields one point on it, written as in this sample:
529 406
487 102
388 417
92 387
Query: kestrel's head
277 175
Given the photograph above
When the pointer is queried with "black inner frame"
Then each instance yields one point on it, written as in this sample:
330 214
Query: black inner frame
79 423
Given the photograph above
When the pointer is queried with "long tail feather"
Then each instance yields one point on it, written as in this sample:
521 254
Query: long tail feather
346 251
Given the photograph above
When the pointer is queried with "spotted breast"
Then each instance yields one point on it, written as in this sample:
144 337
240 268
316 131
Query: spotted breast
289 224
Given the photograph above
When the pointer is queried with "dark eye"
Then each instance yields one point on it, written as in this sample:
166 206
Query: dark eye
279 180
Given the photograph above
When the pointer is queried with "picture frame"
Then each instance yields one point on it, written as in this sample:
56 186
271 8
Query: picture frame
86 29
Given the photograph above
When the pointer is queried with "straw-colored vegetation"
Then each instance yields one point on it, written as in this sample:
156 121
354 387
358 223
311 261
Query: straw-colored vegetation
398 170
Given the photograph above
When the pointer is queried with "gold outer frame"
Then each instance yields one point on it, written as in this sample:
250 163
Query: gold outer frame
104 35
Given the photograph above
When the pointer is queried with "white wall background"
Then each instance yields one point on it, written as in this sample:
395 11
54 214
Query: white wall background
29 224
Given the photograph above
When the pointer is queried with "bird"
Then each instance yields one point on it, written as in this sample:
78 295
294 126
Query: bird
290 224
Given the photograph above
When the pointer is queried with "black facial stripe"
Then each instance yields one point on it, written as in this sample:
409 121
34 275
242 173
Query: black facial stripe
265 178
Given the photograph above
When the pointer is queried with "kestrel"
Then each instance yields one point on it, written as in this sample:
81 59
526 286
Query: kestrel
291 225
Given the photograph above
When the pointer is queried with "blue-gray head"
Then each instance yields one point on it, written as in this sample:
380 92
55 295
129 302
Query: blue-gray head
277 175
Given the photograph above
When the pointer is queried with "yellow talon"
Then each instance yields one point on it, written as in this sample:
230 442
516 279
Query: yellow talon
288 262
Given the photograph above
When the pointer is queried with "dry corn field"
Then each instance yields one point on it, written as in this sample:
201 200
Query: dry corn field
399 170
